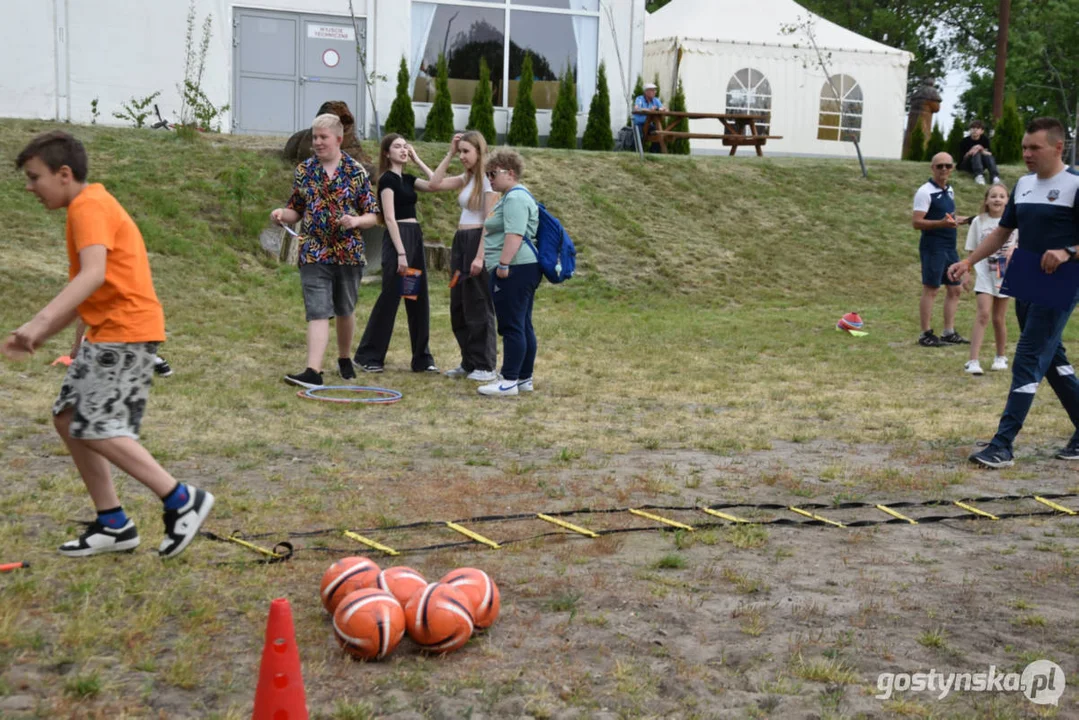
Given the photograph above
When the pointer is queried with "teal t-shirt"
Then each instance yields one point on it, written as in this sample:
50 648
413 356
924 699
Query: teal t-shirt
516 213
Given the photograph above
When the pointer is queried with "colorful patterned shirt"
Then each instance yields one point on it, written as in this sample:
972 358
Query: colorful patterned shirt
322 202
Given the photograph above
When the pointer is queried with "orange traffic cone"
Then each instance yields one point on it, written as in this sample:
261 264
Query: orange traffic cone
280 694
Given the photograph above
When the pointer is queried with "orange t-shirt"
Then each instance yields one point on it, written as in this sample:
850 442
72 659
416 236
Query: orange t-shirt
125 308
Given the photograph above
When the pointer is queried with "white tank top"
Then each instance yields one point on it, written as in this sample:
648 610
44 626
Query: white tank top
471 217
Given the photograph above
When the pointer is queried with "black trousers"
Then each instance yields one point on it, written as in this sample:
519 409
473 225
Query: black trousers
472 311
376 337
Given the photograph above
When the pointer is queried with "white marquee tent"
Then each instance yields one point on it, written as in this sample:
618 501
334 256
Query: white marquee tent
734 56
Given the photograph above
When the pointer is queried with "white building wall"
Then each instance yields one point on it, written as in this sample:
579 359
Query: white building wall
30 48
120 49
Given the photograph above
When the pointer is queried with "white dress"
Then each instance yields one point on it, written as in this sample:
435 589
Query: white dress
989 273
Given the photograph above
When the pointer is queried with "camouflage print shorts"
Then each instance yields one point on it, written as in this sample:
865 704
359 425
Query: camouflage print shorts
107 385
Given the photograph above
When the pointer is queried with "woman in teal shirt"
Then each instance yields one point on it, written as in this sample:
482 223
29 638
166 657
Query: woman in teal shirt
514 270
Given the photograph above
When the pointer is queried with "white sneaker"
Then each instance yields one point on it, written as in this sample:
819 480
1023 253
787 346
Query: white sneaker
499 388
457 372
525 385
973 367
979 180
996 179
999 363
181 526
101 539
483 375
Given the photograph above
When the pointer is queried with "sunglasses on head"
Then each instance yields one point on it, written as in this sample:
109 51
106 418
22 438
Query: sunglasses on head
943 166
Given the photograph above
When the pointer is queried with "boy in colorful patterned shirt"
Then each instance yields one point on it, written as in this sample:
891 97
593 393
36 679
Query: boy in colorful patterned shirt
101 403
331 192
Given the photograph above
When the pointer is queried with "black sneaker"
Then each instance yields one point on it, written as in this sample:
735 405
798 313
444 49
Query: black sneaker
992 457
344 366
432 368
1070 451
928 339
309 378
101 539
161 366
954 338
181 526
372 368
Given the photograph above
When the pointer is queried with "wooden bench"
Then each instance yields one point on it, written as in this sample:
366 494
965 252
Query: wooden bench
660 127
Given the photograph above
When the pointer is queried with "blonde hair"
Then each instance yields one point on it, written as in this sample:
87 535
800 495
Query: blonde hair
329 121
476 140
506 159
985 200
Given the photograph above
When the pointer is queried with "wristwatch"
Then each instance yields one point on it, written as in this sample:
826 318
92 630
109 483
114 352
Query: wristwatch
1071 252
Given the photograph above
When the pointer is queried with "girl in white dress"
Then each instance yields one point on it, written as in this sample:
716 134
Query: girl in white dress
990 274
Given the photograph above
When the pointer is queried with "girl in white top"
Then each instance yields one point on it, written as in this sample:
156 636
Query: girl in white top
472 310
990 274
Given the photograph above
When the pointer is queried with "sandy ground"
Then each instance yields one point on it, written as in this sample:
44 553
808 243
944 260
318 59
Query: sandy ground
796 621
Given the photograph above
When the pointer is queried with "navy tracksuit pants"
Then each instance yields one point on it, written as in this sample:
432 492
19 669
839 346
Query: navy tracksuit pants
513 297
1039 354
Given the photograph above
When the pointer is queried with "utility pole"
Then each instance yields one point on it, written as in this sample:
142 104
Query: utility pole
1004 15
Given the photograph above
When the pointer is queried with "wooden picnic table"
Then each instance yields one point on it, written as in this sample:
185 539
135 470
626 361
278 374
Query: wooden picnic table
660 127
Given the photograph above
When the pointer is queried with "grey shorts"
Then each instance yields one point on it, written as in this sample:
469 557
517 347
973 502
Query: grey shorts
329 290
107 385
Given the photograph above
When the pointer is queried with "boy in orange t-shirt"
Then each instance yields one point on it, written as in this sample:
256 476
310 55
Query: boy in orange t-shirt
100 406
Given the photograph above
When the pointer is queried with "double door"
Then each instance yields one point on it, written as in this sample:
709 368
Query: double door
286 65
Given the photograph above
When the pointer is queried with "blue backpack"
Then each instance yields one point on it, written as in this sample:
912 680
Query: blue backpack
553 247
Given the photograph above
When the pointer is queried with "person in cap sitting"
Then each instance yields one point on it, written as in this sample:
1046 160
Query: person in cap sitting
644 123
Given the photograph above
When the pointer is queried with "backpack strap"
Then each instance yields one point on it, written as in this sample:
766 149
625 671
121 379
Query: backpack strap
525 237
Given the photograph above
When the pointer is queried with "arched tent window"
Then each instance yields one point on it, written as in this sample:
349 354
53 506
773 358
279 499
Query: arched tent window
840 117
748 92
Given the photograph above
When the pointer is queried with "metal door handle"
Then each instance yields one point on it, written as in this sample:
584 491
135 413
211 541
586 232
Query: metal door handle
303 79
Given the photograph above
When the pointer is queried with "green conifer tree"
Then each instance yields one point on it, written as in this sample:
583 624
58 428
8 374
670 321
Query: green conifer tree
523 131
1008 139
439 126
680 146
482 115
936 142
564 117
597 133
955 136
402 119
916 151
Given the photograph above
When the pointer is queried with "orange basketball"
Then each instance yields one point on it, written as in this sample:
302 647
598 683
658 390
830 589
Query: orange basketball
439 618
481 591
401 582
369 623
345 576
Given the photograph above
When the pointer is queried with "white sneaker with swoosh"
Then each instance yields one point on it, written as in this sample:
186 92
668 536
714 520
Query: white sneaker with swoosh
499 388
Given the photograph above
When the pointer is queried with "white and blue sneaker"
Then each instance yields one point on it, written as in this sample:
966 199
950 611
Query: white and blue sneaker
99 539
525 385
499 388
182 525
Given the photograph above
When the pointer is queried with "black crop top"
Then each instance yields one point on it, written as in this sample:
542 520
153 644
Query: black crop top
404 193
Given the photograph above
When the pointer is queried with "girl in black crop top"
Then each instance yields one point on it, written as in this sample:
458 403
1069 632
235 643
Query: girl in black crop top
402 250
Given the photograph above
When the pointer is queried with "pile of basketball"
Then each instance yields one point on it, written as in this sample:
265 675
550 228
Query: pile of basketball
373 608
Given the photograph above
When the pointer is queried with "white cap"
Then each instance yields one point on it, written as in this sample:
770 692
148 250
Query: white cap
650 86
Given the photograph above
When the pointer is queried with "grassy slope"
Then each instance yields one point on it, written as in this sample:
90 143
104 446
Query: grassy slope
703 320
700 276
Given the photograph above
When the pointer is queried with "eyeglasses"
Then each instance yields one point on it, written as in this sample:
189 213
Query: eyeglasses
943 166
492 174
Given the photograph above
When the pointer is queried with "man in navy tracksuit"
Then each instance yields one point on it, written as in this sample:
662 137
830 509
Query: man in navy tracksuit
934 215
1044 207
